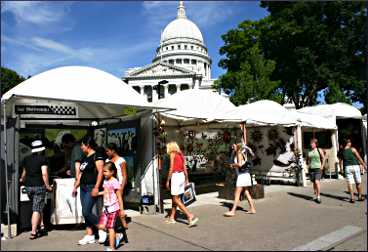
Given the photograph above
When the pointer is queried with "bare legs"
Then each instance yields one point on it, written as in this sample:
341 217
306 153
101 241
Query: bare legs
36 217
176 202
237 193
359 190
317 188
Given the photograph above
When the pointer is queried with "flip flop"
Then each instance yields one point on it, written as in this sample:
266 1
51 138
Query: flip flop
362 198
228 214
170 221
193 222
249 212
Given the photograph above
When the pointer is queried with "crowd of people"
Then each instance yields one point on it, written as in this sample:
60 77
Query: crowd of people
101 176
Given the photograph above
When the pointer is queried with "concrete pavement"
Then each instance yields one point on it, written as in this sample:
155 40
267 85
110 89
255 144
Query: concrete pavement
286 219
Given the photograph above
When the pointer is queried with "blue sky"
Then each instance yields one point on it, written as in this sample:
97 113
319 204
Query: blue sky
112 36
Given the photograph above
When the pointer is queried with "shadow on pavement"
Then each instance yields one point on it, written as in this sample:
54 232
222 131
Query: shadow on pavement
355 194
230 205
342 198
302 196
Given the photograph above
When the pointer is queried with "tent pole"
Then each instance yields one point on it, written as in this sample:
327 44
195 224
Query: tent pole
300 148
6 172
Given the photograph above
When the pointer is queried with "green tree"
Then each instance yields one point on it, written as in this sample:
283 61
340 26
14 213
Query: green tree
9 79
318 46
315 47
248 71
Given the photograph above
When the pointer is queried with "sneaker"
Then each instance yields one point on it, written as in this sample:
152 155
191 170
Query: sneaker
318 200
87 239
118 238
102 236
108 249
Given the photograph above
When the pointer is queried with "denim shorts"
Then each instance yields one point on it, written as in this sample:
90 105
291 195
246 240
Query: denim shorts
352 174
315 174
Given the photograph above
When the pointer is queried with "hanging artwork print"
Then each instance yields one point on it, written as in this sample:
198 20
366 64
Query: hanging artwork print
125 139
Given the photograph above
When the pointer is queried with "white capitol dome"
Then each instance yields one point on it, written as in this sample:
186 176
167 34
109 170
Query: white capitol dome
181 28
182 44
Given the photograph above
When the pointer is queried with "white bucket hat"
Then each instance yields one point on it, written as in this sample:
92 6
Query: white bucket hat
37 146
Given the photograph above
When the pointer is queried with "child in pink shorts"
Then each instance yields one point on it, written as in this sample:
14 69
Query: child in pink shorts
112 203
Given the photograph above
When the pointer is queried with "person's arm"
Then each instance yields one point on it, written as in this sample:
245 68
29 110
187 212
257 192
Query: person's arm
323 159
357 155
78 176
45 177
239 159
186 172
124 178
23 176
119 195
99 168
172 155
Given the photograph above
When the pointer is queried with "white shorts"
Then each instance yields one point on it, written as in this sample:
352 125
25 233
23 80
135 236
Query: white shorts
243 180
352 174
177 183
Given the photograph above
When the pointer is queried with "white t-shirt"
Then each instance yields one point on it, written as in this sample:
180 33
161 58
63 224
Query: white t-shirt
118 164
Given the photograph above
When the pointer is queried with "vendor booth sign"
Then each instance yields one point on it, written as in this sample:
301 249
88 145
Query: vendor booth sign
46 110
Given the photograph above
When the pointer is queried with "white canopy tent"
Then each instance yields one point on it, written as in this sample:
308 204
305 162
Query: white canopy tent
71 95
195 105
340 110
96 94
314 120
262 113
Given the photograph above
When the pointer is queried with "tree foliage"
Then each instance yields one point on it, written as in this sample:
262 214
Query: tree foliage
9 79
248 71
315 46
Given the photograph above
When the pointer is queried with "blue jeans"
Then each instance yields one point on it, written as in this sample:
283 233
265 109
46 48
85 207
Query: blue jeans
88 202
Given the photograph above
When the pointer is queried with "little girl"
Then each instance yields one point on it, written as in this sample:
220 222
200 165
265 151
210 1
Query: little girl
112 204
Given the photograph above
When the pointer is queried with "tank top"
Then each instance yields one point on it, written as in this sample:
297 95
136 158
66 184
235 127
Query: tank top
118 162
349 158
314 157
178 162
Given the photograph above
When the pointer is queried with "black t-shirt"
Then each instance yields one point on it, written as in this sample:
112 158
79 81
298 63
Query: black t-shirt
33 164
88 168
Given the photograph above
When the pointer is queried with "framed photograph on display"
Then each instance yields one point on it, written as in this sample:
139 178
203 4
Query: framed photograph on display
124 138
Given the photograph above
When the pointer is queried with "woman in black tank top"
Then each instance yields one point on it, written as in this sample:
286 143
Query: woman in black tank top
89 178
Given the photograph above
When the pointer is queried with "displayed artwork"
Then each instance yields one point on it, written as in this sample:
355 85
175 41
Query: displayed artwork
189 195
125 139
130 167
99 136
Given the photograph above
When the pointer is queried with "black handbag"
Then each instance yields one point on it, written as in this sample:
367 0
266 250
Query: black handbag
246 167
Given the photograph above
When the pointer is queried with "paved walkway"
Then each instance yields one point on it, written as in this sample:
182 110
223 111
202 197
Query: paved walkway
286 219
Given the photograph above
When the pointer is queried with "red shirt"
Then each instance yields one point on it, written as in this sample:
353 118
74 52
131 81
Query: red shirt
178 162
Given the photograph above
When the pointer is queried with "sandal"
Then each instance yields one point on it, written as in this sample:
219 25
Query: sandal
170 221
193 222
33 236
229 214
42 231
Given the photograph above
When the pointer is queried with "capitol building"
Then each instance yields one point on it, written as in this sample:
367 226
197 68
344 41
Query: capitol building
181 62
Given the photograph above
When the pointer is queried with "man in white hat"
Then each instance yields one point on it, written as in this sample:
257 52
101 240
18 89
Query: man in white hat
36 180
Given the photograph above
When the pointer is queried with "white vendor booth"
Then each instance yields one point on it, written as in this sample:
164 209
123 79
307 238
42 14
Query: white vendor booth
348 120
196 125
77 100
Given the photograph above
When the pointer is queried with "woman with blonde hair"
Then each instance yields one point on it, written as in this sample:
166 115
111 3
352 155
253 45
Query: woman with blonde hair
244 180
178 176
